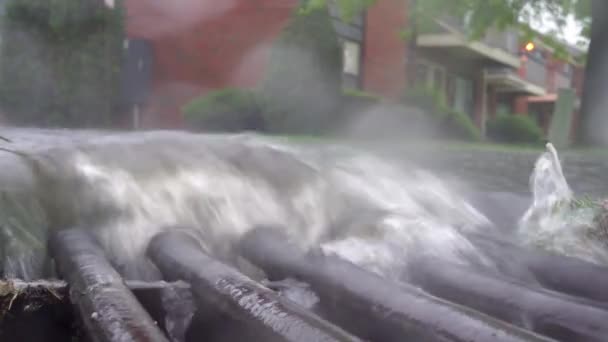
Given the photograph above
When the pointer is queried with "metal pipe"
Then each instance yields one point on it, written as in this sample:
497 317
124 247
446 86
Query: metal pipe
46 305
59 288
384 311
109 310
217 285
544 312
557 272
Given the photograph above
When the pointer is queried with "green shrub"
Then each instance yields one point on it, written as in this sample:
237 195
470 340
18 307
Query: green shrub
356 94
451 124
428 100
228 110
304 80
516 128
458 125
354 103
60 62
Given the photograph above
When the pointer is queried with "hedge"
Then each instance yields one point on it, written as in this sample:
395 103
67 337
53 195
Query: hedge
227 110
516 128
60 62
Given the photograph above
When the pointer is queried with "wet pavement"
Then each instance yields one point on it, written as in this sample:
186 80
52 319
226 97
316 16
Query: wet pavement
507 171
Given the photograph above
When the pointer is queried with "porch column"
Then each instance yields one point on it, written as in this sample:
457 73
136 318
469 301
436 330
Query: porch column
481 102
492 102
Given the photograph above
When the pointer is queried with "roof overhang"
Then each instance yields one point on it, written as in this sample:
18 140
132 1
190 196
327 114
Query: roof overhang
461 46
543 98
509 82
551 98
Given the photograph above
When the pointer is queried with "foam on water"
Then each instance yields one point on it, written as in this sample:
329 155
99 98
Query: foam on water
127 188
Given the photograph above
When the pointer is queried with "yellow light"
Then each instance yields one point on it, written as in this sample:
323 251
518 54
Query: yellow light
530 46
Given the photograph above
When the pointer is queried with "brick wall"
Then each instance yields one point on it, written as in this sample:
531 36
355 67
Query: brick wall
200 45
384 52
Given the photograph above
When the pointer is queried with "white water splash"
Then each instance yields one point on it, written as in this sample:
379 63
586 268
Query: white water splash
128 188
414 214
549 188
551 223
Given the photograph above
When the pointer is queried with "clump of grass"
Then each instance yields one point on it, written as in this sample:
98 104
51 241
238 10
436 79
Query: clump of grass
585 202
580 203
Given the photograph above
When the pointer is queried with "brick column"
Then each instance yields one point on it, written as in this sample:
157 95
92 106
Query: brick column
520 105
384 55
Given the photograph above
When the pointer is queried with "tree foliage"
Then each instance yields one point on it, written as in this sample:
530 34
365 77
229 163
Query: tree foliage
485 14
60 62
348 8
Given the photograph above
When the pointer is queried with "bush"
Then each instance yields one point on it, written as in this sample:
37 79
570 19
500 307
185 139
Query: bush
355 101
304 80
354 104
516 128
458 125
358 95
451 124
60 62
228 110
428 100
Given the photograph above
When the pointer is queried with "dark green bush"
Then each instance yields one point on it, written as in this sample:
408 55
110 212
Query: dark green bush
516 128
428 100
357 95
60 62
354 103
458 125
451 124
304 80
227 110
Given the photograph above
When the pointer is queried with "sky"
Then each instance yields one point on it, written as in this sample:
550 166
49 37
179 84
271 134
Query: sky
570 33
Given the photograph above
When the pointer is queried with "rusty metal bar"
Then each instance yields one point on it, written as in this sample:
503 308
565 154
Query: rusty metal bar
382 310
547 313
217 285
556 272
109 310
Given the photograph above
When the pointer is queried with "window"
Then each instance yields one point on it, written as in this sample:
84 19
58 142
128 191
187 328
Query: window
462 95
422 72
351 56
467 20
431 75
538 56
439 79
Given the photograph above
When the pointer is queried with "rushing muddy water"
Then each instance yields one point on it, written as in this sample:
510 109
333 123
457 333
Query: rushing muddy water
127 187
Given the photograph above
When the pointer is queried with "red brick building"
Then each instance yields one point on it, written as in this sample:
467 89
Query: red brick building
181 49
193 46
494 74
